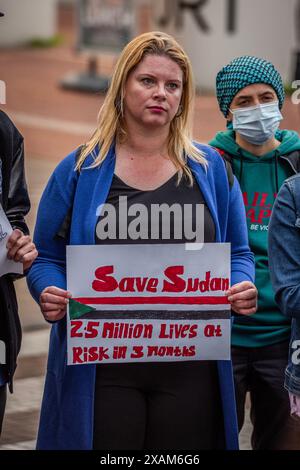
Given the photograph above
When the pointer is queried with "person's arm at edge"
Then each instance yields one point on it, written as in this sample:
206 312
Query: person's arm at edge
49 269
284 253
18 204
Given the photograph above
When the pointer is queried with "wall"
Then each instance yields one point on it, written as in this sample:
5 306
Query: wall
25 19
265 28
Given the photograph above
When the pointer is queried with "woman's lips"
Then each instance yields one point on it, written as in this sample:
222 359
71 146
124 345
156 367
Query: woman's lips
156 109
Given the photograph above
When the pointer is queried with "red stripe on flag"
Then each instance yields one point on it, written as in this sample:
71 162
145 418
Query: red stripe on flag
211 300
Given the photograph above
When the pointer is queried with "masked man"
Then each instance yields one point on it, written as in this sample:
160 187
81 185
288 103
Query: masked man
250 94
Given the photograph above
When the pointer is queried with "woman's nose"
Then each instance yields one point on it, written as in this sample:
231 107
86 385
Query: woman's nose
160 91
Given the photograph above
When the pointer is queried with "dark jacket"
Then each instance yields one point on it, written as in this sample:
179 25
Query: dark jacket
284 254
15 202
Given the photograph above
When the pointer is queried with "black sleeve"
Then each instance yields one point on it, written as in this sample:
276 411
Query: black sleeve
18 203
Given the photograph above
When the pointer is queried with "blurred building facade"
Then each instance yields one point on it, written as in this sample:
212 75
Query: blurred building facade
27 19
212 31
215 31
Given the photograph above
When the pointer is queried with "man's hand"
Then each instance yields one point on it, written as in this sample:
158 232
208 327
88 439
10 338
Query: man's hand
21 248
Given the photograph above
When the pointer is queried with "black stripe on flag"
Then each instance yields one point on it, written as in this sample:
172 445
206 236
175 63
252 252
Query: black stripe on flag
157 315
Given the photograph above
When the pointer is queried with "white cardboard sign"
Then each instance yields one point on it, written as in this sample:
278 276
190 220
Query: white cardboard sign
141 303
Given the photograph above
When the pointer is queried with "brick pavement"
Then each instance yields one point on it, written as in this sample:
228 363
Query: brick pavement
23 407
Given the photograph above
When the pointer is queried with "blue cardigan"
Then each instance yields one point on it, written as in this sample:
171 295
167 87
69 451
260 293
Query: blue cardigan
68 404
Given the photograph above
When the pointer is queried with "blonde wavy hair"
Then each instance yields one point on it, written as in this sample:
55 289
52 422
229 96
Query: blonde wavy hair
111 124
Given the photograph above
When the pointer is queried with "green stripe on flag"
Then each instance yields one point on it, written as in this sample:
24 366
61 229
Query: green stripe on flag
77 310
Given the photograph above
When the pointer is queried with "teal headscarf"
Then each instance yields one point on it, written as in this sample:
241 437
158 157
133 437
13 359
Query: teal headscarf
244 71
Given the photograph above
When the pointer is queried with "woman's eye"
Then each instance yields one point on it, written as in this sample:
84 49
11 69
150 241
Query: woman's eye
147 81
172 86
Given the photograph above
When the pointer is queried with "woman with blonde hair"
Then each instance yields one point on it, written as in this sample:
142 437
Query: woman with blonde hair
141 149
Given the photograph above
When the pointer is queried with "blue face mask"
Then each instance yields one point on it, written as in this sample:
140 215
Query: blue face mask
257 124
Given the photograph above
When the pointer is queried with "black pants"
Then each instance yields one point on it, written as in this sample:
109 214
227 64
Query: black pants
158 406
261 372
2 404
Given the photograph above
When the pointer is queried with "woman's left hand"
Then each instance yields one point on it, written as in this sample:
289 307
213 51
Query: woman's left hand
21 249
243 297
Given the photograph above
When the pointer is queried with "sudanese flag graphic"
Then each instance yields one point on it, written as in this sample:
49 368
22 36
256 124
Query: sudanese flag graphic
77 309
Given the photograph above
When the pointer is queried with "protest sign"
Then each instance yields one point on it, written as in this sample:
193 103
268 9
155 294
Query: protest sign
141 303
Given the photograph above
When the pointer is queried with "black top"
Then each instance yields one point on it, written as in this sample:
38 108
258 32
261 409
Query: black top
113 381
177 221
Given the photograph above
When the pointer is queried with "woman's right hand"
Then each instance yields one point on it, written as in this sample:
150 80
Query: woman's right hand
53 303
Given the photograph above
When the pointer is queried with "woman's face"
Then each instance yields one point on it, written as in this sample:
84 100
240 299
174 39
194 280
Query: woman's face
153 92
